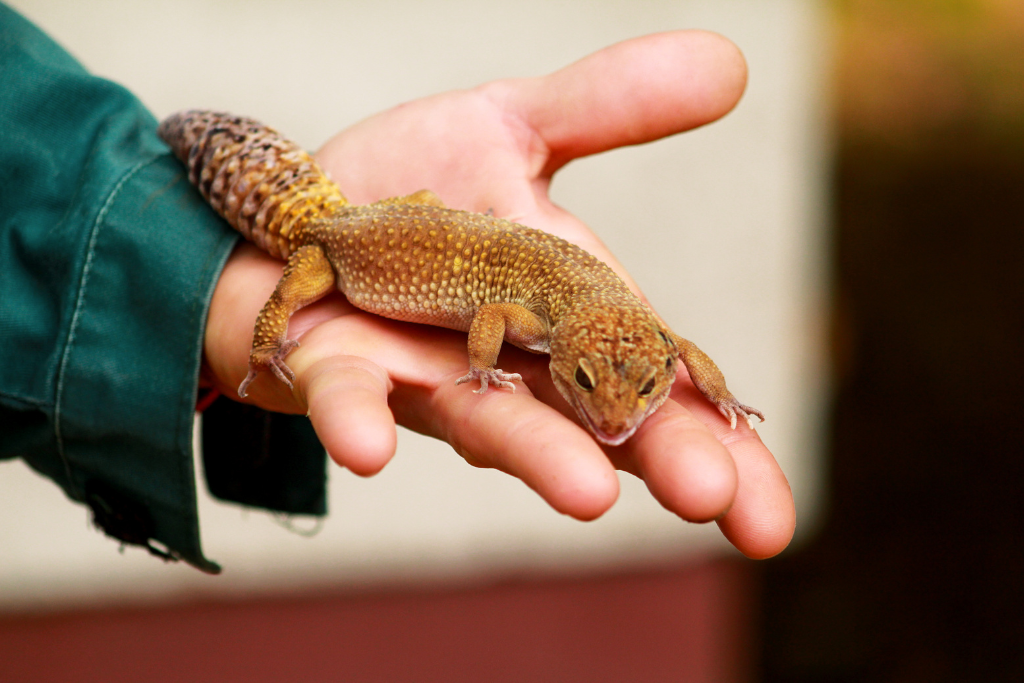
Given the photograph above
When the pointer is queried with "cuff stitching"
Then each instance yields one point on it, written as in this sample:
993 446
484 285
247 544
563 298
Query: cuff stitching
79 298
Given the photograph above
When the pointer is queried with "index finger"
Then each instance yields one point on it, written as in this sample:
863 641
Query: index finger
519 435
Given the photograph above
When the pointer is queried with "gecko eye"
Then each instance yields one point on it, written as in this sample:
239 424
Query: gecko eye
583 379
648 388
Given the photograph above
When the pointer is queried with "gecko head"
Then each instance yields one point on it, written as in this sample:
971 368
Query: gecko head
615 366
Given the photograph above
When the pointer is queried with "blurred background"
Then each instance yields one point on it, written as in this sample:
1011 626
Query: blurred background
917 573
869 189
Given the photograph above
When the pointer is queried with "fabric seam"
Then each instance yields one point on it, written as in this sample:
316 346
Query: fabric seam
79 301
28 401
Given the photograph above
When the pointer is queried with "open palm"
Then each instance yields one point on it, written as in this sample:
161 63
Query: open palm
494 148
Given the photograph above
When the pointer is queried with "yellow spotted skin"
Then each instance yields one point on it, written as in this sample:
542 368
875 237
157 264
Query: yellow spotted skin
414 259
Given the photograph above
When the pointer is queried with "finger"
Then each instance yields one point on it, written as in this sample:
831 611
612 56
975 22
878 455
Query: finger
685 467
632 92
762 519
348 406
515 433
512 432
246 281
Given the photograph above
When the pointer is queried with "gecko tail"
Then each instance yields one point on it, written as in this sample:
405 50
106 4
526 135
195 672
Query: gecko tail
265 185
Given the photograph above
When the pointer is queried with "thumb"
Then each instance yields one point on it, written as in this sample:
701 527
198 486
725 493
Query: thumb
630 93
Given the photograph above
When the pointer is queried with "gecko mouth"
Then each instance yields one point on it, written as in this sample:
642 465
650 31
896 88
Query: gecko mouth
621 437
592 424
601 435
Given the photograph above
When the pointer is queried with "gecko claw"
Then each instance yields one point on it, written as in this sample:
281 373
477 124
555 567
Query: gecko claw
244 386
489 376
271 359
731 408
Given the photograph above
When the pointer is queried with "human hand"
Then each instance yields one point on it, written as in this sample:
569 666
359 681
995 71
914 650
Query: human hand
496 148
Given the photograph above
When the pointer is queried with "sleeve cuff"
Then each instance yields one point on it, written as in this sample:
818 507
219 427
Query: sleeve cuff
128 377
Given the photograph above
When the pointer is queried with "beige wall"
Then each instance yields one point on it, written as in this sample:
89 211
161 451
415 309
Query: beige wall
740 203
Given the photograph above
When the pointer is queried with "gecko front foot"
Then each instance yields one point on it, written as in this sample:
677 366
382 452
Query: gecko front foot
489 376
730 408
272 358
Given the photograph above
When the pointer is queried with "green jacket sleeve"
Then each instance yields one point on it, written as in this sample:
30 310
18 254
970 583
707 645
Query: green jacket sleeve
108 260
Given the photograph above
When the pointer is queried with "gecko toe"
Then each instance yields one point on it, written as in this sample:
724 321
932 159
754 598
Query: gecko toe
749 413
282 372
489 376
244 386
732 409
269 358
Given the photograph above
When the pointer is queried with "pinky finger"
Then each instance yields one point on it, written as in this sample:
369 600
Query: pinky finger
348 406
762 518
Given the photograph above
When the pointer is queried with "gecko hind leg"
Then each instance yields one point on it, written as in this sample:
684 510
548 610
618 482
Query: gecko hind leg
308 276
420 197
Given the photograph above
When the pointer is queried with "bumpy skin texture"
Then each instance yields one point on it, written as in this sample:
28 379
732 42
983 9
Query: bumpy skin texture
414 259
